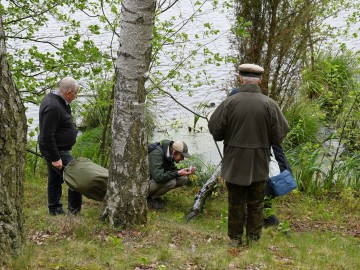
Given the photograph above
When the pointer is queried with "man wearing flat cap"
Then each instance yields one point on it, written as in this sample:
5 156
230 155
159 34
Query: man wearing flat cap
164 175
248 123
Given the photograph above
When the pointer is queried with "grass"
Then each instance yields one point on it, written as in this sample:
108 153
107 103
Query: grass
324 234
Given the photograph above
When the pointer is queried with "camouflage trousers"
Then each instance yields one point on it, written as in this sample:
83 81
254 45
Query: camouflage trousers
246 205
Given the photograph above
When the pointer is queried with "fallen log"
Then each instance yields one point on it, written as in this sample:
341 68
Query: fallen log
204 192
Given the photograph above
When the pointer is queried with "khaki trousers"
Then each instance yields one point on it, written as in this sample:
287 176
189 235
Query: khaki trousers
159 189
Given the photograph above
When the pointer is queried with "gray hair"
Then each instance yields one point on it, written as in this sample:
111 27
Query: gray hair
251 80
68 84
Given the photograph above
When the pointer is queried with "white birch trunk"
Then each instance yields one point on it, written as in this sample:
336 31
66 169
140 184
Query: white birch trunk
125 202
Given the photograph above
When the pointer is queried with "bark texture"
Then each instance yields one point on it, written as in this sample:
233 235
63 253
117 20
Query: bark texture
13 130
125 202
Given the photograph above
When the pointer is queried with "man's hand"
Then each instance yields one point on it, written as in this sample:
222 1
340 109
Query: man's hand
186 171
57 164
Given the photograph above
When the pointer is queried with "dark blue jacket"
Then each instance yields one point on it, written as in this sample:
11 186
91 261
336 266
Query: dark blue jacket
57 128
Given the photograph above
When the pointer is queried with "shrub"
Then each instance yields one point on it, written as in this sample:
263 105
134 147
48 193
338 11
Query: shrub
329 80
204 170
88 146
305 121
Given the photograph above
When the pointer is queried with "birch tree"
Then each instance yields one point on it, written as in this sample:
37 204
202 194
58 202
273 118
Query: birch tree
125 202
12 157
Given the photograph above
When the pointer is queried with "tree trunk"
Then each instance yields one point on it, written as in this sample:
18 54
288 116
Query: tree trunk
125 201
270 46
276 40
13 130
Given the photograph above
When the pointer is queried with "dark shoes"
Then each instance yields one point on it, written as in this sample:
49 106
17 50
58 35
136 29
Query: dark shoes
60 211
156 203
56 211
271 221
236 243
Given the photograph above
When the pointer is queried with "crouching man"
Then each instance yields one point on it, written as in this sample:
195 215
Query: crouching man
164 175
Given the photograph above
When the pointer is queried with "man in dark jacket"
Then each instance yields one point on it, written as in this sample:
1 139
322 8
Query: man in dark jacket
164 175
248 123
56 138
270 218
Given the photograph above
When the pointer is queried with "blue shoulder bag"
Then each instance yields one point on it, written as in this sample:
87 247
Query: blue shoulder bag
283 183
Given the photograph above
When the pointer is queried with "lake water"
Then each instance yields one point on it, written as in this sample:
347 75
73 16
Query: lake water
173 119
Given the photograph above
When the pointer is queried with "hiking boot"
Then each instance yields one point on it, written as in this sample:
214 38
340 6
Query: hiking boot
271 221
56 211
156 203
251 238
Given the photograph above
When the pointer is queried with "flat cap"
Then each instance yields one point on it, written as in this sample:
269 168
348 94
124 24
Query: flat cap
251 70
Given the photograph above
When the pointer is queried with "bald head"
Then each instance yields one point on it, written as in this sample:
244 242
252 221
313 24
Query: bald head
68 84
68 88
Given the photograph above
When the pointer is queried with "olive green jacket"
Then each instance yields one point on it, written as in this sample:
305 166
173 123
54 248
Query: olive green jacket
248 123
161 164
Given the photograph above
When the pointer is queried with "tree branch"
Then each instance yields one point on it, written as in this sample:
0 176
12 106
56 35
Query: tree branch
186 108
182 26
167 8
34 40
29 16
186 58
107 20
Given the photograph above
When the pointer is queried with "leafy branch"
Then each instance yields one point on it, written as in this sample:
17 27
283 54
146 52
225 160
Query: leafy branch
185 107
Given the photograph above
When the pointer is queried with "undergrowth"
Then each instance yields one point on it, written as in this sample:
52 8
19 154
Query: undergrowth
324 233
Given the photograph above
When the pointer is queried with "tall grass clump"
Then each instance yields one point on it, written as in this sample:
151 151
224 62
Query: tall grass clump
329 80
322 144
305 121
204 170
88 145
96 111
303 142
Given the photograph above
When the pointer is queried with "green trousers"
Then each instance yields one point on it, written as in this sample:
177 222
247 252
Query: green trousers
246 205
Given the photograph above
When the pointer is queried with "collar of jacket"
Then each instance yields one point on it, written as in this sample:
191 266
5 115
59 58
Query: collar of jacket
62 100
166 146
57 93
250 88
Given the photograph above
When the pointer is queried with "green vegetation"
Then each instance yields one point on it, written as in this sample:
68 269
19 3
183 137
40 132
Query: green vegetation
323 142
330 81
324 234
322 107
322 145
203 170
88 145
